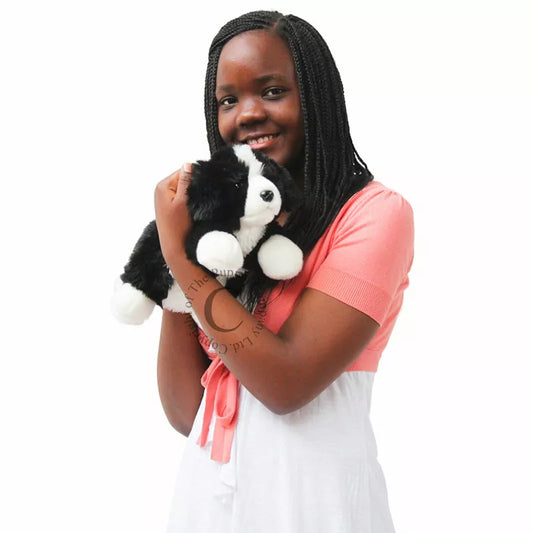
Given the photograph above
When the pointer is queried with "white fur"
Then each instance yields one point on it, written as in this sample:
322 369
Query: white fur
257 212
280 258
129 305
176 300
248 237
244 154
220 252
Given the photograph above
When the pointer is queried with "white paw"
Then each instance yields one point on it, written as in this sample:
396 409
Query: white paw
129 305
176 300
220 252
280 258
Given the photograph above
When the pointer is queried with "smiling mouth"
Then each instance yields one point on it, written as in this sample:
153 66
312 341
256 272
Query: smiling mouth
253 142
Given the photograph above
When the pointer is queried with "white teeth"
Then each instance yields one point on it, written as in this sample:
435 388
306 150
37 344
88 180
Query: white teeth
260 139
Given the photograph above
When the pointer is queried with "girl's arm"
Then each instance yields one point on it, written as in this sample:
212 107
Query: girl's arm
180 365
320 339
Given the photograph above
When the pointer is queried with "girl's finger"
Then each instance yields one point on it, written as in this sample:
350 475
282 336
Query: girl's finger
167 186
185 174
173 180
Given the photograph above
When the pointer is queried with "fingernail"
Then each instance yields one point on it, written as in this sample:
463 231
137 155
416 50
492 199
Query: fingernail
187 167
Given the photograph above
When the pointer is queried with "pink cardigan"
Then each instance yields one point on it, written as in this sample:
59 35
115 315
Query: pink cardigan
363 259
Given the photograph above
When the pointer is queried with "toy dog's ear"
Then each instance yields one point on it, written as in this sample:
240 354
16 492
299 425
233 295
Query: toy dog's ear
291 195
203 197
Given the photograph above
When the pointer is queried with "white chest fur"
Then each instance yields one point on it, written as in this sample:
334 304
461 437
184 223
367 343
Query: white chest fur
248 237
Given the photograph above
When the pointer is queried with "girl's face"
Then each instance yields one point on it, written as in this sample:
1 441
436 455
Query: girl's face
258 97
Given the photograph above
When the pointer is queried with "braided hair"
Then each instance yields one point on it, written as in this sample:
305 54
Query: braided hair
333 170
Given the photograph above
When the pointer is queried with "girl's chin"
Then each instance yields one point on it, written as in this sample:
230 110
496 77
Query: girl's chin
277 153
295 165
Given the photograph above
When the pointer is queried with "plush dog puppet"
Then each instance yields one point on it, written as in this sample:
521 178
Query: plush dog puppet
232 199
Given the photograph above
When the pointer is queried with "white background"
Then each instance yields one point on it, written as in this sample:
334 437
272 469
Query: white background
100 100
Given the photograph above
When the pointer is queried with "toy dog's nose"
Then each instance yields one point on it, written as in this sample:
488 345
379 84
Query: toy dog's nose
267 196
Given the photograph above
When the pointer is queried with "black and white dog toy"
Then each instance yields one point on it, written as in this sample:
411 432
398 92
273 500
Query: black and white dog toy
233 199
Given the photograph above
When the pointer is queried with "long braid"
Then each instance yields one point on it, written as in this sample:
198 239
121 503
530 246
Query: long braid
333 170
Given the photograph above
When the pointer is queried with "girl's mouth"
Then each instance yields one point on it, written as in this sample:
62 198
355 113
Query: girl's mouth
262 142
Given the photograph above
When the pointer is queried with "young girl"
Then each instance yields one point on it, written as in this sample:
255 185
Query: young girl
275 396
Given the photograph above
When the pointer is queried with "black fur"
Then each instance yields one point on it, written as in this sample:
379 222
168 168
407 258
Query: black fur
146 269
216 199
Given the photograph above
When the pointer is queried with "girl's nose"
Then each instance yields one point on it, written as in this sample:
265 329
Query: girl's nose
252 110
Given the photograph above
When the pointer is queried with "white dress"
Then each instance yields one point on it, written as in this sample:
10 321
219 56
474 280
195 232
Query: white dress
295 472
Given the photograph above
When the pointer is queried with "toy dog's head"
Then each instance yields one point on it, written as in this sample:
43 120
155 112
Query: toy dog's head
240 187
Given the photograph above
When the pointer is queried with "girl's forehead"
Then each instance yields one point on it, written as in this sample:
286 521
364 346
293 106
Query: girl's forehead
256 50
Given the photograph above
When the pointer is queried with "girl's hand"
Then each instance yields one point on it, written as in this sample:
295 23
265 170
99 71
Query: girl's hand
171 213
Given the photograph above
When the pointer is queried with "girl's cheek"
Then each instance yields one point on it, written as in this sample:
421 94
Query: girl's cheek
223 128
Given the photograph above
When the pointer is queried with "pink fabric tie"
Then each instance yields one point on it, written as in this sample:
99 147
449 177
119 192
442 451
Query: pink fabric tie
221 389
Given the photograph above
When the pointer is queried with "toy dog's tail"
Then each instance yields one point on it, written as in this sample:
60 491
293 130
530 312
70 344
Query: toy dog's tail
145 281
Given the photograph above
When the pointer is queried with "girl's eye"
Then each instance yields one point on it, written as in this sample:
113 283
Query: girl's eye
227 101
274 91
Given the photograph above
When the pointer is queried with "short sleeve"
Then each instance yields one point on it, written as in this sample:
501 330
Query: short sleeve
371 253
